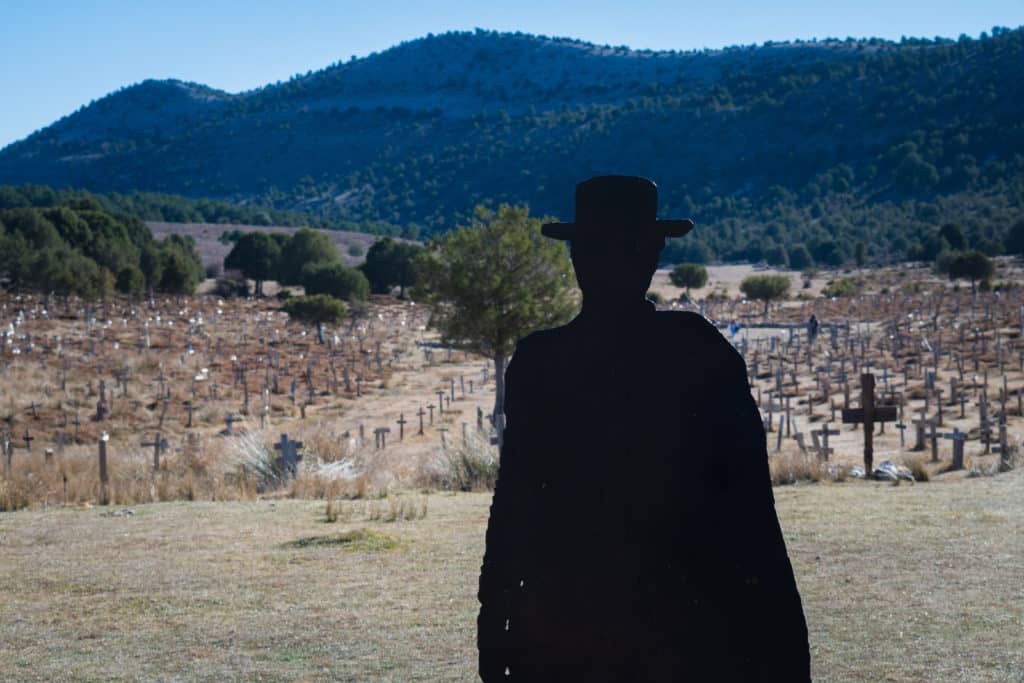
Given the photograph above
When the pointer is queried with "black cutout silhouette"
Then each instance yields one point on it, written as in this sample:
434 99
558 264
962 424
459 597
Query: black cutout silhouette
633 534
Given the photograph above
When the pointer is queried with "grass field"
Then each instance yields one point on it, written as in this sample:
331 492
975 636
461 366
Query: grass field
916 582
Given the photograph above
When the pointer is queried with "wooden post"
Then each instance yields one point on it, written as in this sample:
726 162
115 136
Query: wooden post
104 479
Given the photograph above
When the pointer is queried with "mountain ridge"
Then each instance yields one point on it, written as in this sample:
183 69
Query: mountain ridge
741 137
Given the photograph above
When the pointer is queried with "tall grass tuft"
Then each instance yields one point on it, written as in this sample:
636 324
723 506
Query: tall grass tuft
469 465
792 468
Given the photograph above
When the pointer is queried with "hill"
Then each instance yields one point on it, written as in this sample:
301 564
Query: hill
817 144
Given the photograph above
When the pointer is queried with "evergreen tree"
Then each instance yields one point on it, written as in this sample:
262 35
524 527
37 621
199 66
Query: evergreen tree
389 264
256 255
304 247
493 282
689 275
766 288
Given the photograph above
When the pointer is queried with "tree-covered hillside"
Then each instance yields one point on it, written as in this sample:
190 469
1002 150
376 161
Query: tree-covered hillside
779 151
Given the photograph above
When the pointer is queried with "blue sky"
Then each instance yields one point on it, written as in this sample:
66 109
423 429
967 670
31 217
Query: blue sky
59 54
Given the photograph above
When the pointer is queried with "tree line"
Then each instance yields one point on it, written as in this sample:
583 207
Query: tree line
310 259
75 246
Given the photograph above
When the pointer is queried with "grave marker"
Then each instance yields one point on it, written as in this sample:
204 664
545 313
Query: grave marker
868 414
290 458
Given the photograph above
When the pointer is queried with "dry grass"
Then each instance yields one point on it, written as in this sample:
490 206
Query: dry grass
908 583
794 468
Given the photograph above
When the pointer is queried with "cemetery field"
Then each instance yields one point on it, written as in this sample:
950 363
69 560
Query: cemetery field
907 582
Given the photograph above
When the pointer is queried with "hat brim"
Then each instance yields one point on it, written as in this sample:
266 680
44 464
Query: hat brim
568 231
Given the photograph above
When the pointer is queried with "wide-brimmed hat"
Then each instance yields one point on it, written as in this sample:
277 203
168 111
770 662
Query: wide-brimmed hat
616 202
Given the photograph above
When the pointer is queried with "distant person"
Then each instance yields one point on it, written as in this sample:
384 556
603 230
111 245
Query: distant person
734 327
812 329
633 534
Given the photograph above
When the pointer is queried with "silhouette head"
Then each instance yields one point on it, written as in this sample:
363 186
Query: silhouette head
616 239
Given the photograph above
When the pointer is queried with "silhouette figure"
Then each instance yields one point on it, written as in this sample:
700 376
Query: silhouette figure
812 328
633 534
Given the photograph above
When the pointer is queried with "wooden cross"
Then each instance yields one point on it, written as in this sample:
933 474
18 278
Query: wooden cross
191 407
158 445
444 440
380 437
290 458
420 413
902 427
230 420
401 426
431 409
440 403
822 447
958 438
868 414
32 407
28 439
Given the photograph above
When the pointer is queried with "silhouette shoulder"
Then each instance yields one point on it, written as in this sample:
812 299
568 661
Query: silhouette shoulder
542 340
712 344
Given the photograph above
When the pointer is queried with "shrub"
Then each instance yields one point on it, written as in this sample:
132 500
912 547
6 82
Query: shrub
335 279
471 465
318 308
847 286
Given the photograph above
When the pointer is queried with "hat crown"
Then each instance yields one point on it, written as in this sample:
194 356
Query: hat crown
616 203
615 200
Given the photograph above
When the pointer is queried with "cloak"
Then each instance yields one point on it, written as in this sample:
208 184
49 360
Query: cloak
633 533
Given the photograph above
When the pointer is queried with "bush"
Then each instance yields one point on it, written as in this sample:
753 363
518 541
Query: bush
318 308
847 286
335 280
470 465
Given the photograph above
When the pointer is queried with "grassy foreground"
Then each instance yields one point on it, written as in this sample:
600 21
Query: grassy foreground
908 583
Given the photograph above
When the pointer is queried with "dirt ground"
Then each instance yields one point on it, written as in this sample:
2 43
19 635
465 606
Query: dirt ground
916 582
